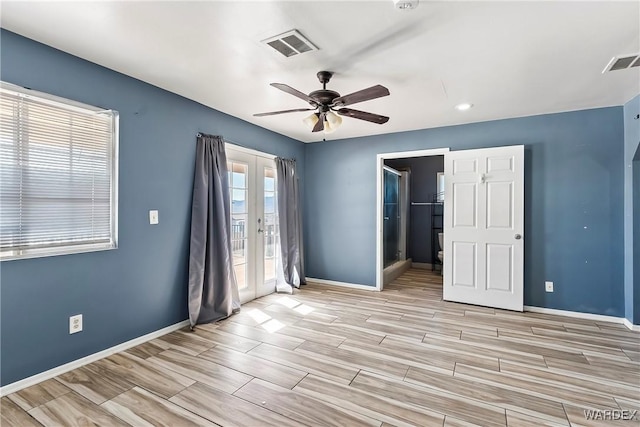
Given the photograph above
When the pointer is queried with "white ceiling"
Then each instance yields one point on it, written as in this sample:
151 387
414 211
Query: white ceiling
509 59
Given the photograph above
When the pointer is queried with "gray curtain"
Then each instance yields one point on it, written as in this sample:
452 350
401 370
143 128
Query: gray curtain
213 292
290 222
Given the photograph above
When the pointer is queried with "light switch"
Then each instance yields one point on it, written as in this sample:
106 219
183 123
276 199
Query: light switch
153 217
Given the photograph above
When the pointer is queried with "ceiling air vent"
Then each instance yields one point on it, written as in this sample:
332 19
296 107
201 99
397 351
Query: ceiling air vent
622 62
290 43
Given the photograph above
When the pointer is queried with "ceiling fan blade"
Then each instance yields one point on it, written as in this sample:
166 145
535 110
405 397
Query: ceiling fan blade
273 113
295 92
372 92
320 125
363 115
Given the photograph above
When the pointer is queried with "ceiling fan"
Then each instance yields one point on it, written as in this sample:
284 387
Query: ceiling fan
326 102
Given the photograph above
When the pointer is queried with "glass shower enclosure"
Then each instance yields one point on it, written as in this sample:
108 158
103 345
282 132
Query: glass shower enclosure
391 216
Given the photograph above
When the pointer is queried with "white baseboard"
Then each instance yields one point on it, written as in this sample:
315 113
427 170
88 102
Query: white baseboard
421 265
342 284
630 325
587 316
395 270
54 372
426 266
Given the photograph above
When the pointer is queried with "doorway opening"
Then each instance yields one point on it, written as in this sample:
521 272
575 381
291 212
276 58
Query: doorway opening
405 190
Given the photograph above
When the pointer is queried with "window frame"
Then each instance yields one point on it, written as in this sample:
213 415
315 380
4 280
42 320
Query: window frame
73 248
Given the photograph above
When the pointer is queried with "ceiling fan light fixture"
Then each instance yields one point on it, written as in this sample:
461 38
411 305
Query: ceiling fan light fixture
334 120
464 106
331 122
311 120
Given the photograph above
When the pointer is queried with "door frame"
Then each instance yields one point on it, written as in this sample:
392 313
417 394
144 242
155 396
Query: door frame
380 158
253 195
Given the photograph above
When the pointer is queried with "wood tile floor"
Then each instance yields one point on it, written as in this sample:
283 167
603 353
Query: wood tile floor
330 356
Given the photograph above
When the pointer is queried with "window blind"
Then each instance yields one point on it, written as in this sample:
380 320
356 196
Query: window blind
57 176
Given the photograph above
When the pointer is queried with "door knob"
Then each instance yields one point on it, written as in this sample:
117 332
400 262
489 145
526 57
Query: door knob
259 230
518 236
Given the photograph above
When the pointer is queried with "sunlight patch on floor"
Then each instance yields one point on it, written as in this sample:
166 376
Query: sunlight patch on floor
272 325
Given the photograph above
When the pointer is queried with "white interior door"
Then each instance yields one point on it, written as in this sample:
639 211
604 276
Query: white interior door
483 227
254 230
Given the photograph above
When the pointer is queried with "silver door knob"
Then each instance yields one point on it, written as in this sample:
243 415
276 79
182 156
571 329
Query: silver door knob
518 236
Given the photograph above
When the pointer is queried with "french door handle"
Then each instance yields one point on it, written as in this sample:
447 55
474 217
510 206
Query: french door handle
259 230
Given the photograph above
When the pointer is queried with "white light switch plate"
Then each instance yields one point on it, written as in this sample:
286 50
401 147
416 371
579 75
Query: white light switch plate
153 217
548 286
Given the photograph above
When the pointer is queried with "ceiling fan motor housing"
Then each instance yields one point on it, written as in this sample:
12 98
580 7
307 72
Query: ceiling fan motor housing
324 97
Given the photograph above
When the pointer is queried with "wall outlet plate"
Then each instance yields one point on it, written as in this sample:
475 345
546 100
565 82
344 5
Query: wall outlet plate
548 286
75 323
153 217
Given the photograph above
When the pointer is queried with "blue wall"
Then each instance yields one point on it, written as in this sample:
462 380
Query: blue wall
423 185
573 203
631 274
141 286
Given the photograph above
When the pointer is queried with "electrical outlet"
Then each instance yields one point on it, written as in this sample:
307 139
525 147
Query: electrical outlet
548 286
75 323
153 217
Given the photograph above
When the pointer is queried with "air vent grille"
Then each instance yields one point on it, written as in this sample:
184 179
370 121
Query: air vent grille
622 62
290 43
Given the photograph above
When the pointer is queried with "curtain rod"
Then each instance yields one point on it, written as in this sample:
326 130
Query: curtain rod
200 134
241 147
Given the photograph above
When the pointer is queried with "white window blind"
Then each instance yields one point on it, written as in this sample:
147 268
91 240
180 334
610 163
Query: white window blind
58 169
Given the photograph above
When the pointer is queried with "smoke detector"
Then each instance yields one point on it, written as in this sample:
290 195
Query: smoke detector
406 4
622 62
290 43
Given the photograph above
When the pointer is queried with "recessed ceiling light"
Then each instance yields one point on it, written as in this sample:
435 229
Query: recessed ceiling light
406 4
463 107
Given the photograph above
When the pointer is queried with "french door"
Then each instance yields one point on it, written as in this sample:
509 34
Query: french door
254 222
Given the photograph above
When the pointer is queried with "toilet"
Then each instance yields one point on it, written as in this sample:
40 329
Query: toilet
441 243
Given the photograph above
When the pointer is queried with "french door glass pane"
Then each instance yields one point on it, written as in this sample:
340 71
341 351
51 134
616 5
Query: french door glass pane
239 215
271 231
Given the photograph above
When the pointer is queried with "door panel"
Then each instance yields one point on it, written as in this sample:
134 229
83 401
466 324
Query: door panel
499 164
499 272
268 252
464 264
484 221
462 166
241 168
499 205
464 204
